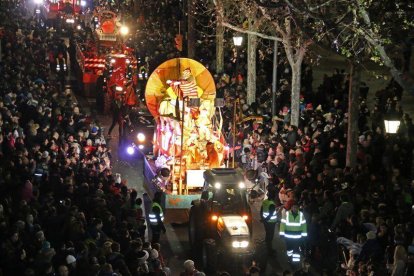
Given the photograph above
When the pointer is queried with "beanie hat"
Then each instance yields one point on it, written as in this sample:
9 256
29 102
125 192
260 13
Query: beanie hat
154 254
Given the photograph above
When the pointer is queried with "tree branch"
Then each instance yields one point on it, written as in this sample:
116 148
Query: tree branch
241 30
397 74
318 6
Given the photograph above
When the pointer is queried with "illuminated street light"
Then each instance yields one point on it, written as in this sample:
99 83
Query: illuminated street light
392 123
124 30
237 40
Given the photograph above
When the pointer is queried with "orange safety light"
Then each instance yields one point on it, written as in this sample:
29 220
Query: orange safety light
214 217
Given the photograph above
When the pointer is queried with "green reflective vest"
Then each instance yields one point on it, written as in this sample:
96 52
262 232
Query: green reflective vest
293 227
265 208
152 217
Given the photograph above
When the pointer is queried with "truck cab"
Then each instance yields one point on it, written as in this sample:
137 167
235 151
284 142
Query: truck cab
221 222
226 191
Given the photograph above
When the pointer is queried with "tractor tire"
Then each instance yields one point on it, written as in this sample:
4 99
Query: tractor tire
107 101
209 257
195 230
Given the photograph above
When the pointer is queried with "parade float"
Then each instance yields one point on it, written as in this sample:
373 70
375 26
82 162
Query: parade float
107 67
68 11
181 95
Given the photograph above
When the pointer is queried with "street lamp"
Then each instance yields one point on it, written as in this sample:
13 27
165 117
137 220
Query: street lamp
124 30
392 122
237 40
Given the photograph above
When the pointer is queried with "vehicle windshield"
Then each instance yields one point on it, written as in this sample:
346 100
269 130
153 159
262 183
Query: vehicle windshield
230 199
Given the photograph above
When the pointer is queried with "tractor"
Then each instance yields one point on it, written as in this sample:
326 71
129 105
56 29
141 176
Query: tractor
220 222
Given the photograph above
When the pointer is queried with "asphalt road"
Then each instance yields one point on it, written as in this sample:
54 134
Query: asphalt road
175 245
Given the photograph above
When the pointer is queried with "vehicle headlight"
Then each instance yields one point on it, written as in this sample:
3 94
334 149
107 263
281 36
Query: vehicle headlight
141 137
141 147
118 88
70 20
240 244
217 185
38 2
242 185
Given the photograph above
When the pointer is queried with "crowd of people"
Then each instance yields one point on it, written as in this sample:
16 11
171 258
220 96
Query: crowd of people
64 212
362 216
62 209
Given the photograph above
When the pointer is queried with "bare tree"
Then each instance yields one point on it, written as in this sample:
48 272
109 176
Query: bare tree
219 37
295 44
277 20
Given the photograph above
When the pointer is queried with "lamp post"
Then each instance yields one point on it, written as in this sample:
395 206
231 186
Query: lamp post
237 41
236 102
392 123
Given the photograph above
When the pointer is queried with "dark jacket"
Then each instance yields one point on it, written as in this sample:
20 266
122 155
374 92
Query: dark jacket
370 250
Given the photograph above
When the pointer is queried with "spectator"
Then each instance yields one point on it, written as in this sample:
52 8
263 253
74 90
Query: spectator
345 210
189 269
400 261
163 262
371 249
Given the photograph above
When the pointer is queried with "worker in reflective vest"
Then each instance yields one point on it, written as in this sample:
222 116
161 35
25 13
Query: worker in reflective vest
269 218
61 64
156 218
294 229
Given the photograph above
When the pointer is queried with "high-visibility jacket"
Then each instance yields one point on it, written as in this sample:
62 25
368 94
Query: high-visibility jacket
61 65
153 217
293 227
265 210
